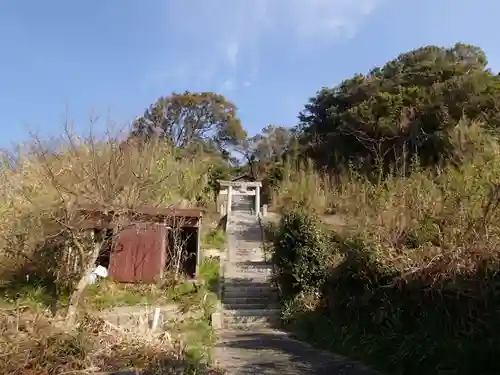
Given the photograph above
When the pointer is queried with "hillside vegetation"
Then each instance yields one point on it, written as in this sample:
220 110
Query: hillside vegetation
43 188
405 158
409 282
401 110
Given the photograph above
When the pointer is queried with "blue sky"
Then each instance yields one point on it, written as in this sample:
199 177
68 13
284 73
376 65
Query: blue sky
112 58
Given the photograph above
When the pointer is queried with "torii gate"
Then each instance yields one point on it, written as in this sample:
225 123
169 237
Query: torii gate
241 188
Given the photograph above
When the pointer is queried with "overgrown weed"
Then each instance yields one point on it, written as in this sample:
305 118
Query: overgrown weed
45 185
35 344
214 239
412 286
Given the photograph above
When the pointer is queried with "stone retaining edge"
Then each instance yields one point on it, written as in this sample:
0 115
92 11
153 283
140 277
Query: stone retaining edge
217 316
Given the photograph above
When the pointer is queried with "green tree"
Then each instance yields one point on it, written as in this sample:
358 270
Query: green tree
271 143
403 109
190 119
265 148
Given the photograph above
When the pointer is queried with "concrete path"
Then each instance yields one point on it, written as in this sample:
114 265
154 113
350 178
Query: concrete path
260 350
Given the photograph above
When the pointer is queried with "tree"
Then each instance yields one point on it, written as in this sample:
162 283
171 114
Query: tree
190 119
265 148
56 195
404 109
271 143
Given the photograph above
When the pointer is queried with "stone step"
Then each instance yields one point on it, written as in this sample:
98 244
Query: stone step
273 323
254 278
251 313
251 276
266 300
249 292
247 254
240 259
242 267
250 306
253 265
255 317
243 282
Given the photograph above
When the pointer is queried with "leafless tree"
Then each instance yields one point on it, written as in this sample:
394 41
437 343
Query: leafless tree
55 181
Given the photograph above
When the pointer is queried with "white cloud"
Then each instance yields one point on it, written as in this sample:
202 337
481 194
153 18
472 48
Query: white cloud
225 33
330 19
228 85
232 49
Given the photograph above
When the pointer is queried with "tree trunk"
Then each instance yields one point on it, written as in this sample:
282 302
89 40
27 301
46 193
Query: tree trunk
82 284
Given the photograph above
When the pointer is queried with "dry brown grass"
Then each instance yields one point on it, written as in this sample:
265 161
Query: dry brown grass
43 188
413 286
41 192
445 219
37 345
301 185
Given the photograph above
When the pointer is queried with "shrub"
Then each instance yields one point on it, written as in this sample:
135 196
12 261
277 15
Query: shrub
301 252
44 187
414 288
214 238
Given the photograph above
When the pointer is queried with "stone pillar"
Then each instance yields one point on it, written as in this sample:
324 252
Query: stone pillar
229 199
257 200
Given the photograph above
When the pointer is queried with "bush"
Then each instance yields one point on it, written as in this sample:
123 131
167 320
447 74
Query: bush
44 188
214 239
413 288
301 252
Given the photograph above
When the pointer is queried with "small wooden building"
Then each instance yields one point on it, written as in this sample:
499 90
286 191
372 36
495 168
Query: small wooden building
144 242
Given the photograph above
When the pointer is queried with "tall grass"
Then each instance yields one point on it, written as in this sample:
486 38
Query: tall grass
413 285
302 185
44 186
34 344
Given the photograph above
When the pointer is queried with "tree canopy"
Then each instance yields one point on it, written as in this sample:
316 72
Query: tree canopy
403 108
189 119
264 148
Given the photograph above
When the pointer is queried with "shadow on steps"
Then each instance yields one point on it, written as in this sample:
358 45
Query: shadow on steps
250 303
276 353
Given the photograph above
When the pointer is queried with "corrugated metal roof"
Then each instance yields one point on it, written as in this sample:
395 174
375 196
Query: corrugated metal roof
95 216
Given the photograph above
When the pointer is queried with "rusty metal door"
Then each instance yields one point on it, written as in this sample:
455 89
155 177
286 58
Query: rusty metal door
138 254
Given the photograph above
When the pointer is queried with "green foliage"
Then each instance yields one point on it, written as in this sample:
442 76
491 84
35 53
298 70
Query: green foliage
403 109
411 281
189 120
301 251
219 170
266 148
209 272
108 294
214 239
41 197
198 337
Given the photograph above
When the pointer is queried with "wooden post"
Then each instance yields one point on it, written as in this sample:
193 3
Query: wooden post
156 318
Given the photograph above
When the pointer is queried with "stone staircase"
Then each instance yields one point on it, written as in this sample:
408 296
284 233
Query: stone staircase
248 342
249 300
